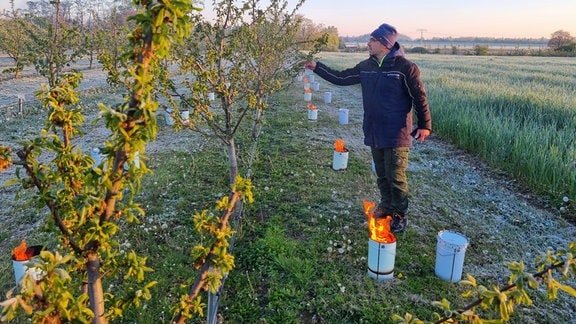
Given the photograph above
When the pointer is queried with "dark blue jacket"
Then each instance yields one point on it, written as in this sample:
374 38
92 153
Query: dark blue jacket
389 92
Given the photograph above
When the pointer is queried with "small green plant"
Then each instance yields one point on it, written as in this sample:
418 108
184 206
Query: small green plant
213 258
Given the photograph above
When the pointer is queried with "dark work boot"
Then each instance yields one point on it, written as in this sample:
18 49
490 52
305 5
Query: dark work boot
399 222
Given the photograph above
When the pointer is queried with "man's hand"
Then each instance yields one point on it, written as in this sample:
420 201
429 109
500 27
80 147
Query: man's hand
310 65
421 134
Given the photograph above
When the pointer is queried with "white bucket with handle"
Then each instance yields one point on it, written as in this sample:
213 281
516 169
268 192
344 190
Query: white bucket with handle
450 251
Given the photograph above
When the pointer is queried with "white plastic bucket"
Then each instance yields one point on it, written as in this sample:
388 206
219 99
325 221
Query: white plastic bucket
315 86
20 267
450 251
185 115
340 161
19 270
136 161
327 97
311 78
211 96
307 96
312 114
169 120
343 116
381 258
96 156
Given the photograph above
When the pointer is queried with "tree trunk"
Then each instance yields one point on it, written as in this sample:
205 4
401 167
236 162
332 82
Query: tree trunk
95 292
232 160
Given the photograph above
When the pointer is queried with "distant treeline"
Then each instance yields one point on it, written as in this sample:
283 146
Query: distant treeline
492 40
465 46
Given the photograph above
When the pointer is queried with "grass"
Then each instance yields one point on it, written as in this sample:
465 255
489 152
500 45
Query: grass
302 246
516 114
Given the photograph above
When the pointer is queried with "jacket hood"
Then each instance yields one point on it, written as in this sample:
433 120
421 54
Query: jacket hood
395 51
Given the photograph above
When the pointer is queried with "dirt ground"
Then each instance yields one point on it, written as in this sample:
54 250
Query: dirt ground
449 186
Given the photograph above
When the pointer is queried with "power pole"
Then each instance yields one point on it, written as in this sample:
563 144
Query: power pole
422 33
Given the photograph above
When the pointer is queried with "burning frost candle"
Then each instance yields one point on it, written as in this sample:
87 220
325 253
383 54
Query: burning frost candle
381 244
22 255
307 95
340 158
312 112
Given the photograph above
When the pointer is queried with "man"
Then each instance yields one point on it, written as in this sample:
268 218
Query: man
391 87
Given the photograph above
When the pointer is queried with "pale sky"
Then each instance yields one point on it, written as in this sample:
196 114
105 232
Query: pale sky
445 18
438 18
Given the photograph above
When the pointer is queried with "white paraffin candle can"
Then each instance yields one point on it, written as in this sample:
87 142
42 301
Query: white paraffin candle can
381 257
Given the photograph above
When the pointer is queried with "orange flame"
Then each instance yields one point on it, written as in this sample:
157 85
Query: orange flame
339 146
311 106
305 80
307 90
19 252
378 228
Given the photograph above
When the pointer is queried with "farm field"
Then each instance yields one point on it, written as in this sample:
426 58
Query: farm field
301 250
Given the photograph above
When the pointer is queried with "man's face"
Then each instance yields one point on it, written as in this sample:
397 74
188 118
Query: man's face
376 48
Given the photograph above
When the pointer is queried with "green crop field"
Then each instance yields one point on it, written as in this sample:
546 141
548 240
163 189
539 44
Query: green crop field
516 113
